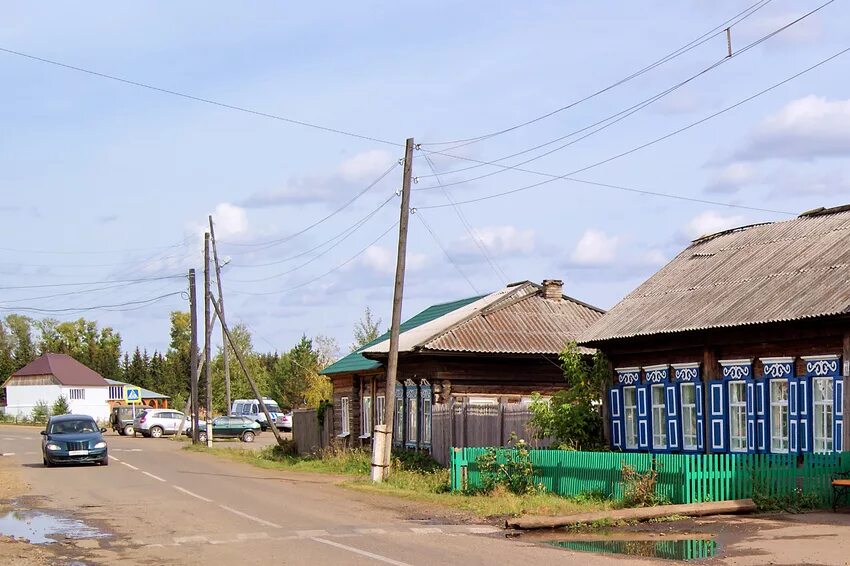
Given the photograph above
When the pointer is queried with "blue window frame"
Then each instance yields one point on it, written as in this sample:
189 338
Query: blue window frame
622 409
826 403
740 406
661 399
781 394
689 386
425 410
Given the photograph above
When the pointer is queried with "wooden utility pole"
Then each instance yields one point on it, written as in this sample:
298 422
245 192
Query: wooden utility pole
250 379
187 407
207 336
382 447
224 354
193 355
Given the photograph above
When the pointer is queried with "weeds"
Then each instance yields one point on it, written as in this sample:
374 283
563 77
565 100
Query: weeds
510 468
639 488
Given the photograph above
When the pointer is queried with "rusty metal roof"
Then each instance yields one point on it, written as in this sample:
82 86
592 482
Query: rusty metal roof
514 320
775 272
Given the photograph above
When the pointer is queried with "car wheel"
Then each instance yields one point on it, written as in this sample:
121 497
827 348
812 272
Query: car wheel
202 437
119 431
287 429
129 430
247 436
263 426
47 463
105 461
156 431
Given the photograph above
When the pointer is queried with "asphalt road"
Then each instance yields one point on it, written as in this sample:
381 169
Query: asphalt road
164 505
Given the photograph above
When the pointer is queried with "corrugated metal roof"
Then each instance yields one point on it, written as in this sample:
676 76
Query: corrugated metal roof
355 361
64 368
774 272
514 320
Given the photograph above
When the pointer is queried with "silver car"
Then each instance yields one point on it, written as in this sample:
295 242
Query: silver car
158 422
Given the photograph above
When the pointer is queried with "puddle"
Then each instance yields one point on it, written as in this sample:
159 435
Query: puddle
41 528
684 549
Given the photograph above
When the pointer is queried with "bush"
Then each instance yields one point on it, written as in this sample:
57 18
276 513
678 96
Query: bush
280 452
414 461
509 468
61 407
41 412
639 488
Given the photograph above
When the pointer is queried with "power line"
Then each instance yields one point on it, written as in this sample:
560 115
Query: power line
198 98
418 214
325 274
113 307
48 285
270 243
500 274
612 119
340 239
98 252
709 35
568 176
76 292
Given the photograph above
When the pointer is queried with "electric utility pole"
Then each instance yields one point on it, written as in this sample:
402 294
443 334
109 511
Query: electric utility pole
224 353
383 437
193 355
207 336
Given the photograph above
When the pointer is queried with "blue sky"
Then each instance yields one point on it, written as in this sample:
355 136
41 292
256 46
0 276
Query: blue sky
106 181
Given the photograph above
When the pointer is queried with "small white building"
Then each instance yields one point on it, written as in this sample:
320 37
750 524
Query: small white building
54 375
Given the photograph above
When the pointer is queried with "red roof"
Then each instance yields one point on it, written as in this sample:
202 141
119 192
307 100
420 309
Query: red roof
64 368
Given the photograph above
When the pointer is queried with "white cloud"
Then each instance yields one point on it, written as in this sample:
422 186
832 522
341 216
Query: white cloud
787 182
710 222
595 248
803 129
382 260
733 178
499 240
349 177
230 220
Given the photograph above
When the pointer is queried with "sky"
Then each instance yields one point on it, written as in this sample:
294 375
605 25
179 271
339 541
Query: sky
107 185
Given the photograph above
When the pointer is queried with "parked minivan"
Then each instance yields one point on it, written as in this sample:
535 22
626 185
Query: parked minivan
122 416
251 408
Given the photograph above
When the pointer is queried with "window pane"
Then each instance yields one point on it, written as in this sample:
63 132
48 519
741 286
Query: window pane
659 418
630 415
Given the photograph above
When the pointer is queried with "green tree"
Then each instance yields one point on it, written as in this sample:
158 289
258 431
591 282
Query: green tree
138 371
573 416
60 406
176 375
99 349
21 339
7 358
365 330
40 412
254 363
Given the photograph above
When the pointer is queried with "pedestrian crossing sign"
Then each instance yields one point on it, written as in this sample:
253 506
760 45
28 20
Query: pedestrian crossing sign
132 394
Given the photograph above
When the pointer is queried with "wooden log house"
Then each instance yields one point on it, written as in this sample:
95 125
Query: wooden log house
483 350
741 344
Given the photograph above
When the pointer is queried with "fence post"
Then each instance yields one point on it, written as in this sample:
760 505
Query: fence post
501 423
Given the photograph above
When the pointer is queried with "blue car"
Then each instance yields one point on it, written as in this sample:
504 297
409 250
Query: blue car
73 439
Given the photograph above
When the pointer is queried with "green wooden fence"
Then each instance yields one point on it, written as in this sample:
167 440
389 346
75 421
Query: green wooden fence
682 478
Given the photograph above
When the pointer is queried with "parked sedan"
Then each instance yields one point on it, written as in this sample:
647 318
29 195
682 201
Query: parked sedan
243 428
73 439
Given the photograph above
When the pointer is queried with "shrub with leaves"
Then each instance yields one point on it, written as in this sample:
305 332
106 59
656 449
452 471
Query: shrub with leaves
573 416
414 461
60 406
639 488
40 412
510 468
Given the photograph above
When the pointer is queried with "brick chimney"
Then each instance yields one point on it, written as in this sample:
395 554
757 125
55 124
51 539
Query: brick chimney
553 289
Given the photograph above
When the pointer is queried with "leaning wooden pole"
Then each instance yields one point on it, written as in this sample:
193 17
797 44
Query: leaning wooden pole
250 379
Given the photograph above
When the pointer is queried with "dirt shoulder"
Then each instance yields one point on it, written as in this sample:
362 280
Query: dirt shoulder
15 552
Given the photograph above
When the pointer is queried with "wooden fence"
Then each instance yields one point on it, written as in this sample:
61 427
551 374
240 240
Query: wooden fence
459 425
308 435
682 478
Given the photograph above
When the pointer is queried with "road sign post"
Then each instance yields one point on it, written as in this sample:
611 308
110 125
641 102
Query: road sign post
132 394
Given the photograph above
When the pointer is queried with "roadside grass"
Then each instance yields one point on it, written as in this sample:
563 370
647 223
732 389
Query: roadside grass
432 487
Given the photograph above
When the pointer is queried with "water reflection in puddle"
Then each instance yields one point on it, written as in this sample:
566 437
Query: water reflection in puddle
686 549
41 528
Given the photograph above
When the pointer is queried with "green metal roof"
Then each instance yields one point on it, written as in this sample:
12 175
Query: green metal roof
355 361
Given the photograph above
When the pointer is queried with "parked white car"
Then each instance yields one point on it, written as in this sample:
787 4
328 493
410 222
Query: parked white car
158 422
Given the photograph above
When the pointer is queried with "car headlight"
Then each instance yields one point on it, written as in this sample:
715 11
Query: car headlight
100 444
52 446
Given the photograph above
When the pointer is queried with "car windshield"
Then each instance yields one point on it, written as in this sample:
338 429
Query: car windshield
273 407
73 427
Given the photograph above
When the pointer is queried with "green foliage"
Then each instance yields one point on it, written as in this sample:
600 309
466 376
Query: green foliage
60 406
365 330
572 416
414 461
40 412
510 468
99 349
321 410
795 502
639 488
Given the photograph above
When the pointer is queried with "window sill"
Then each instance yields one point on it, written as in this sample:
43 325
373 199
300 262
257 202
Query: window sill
343 435
364 436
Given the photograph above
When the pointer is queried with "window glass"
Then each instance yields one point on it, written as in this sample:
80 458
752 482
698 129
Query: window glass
426 421
737 416
77 394
659 418
345 415
822 397
412 420
399 413
380 410
629 414
689 416
366 416
779 415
